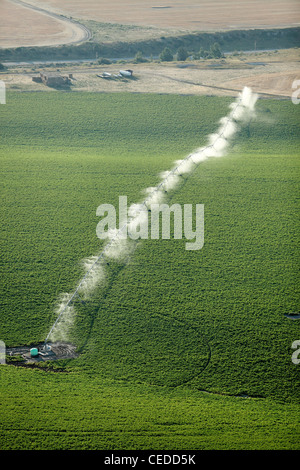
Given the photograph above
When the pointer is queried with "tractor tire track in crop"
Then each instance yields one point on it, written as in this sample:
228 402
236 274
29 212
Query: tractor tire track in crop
202 337
201 346
183 353
93 312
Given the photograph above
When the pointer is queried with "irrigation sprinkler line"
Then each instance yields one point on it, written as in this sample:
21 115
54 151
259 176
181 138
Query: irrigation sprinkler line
144 203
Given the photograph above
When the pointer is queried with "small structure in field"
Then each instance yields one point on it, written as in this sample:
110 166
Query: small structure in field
37 79
53 79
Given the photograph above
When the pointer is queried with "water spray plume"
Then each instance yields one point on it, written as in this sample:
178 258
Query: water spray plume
117 245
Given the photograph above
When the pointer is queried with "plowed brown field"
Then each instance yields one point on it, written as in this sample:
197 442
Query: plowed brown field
22 26
193 14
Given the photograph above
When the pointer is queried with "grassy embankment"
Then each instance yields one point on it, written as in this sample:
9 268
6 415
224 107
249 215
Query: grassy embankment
123 41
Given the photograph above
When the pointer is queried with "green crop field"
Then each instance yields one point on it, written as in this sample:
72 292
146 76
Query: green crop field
178 349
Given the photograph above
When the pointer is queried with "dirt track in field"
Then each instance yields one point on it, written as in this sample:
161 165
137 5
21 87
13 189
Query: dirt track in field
23 25
270 74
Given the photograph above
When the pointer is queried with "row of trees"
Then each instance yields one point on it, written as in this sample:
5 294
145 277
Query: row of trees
182 54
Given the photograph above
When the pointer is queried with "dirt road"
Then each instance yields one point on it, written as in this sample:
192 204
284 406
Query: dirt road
24 24
269 74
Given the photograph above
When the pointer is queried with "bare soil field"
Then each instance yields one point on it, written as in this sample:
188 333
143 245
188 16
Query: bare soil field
22 26
29 26
270 74
194 15
276 83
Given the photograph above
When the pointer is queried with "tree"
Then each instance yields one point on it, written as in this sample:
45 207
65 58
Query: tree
139 58
104 61
166 55
216 51
202 53
182 54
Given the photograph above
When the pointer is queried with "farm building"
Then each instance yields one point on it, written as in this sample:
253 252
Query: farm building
52 79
